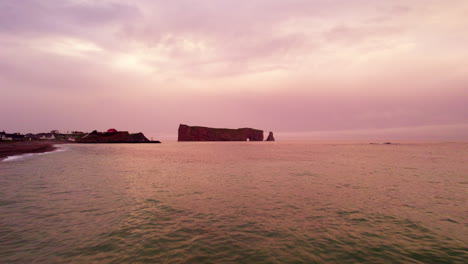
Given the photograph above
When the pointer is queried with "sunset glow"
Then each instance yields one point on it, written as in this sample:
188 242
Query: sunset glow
304 69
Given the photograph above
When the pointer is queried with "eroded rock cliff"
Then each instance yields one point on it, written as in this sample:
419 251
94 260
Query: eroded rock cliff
196 133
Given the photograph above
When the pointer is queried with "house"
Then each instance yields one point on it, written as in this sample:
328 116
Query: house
3 135
30 136
17 137
7 137
45 136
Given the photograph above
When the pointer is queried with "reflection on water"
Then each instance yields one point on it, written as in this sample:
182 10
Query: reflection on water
281 202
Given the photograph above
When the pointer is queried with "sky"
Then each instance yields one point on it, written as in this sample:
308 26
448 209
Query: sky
305 69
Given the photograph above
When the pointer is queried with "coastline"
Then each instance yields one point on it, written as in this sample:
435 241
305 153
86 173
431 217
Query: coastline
17 148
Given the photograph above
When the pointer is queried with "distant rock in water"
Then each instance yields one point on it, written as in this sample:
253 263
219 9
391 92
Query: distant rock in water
196 133
270 137
385 143
113 137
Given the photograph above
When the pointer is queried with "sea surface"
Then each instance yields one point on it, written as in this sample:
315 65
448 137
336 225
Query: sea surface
237 202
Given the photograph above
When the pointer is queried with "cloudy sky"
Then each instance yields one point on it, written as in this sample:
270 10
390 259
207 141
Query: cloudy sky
335 69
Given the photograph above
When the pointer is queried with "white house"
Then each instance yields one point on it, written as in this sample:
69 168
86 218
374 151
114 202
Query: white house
3 136
48 136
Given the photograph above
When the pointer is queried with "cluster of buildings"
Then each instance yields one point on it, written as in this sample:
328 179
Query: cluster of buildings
11 137
53 135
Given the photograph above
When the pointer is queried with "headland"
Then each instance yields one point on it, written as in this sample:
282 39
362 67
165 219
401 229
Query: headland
113 136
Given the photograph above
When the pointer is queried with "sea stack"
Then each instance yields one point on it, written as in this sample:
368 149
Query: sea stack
270 137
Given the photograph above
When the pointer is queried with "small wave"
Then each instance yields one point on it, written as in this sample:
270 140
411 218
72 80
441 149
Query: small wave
60 148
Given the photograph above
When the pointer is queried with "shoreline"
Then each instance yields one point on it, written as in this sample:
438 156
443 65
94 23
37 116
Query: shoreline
17 148
123 142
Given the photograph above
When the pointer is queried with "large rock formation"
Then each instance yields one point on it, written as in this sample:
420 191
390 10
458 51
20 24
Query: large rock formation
196 133
270 137
113 137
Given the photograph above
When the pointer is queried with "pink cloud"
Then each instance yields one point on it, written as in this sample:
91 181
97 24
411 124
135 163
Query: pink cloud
291 66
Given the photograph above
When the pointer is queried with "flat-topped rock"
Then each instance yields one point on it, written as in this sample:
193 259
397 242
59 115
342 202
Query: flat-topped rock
197 133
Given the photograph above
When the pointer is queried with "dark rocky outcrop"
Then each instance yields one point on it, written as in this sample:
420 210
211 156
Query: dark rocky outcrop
270 137
196 133
113 137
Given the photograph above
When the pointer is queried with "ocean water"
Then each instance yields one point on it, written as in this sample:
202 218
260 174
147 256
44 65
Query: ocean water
237 202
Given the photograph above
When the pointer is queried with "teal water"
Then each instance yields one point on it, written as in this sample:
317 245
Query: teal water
237 202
